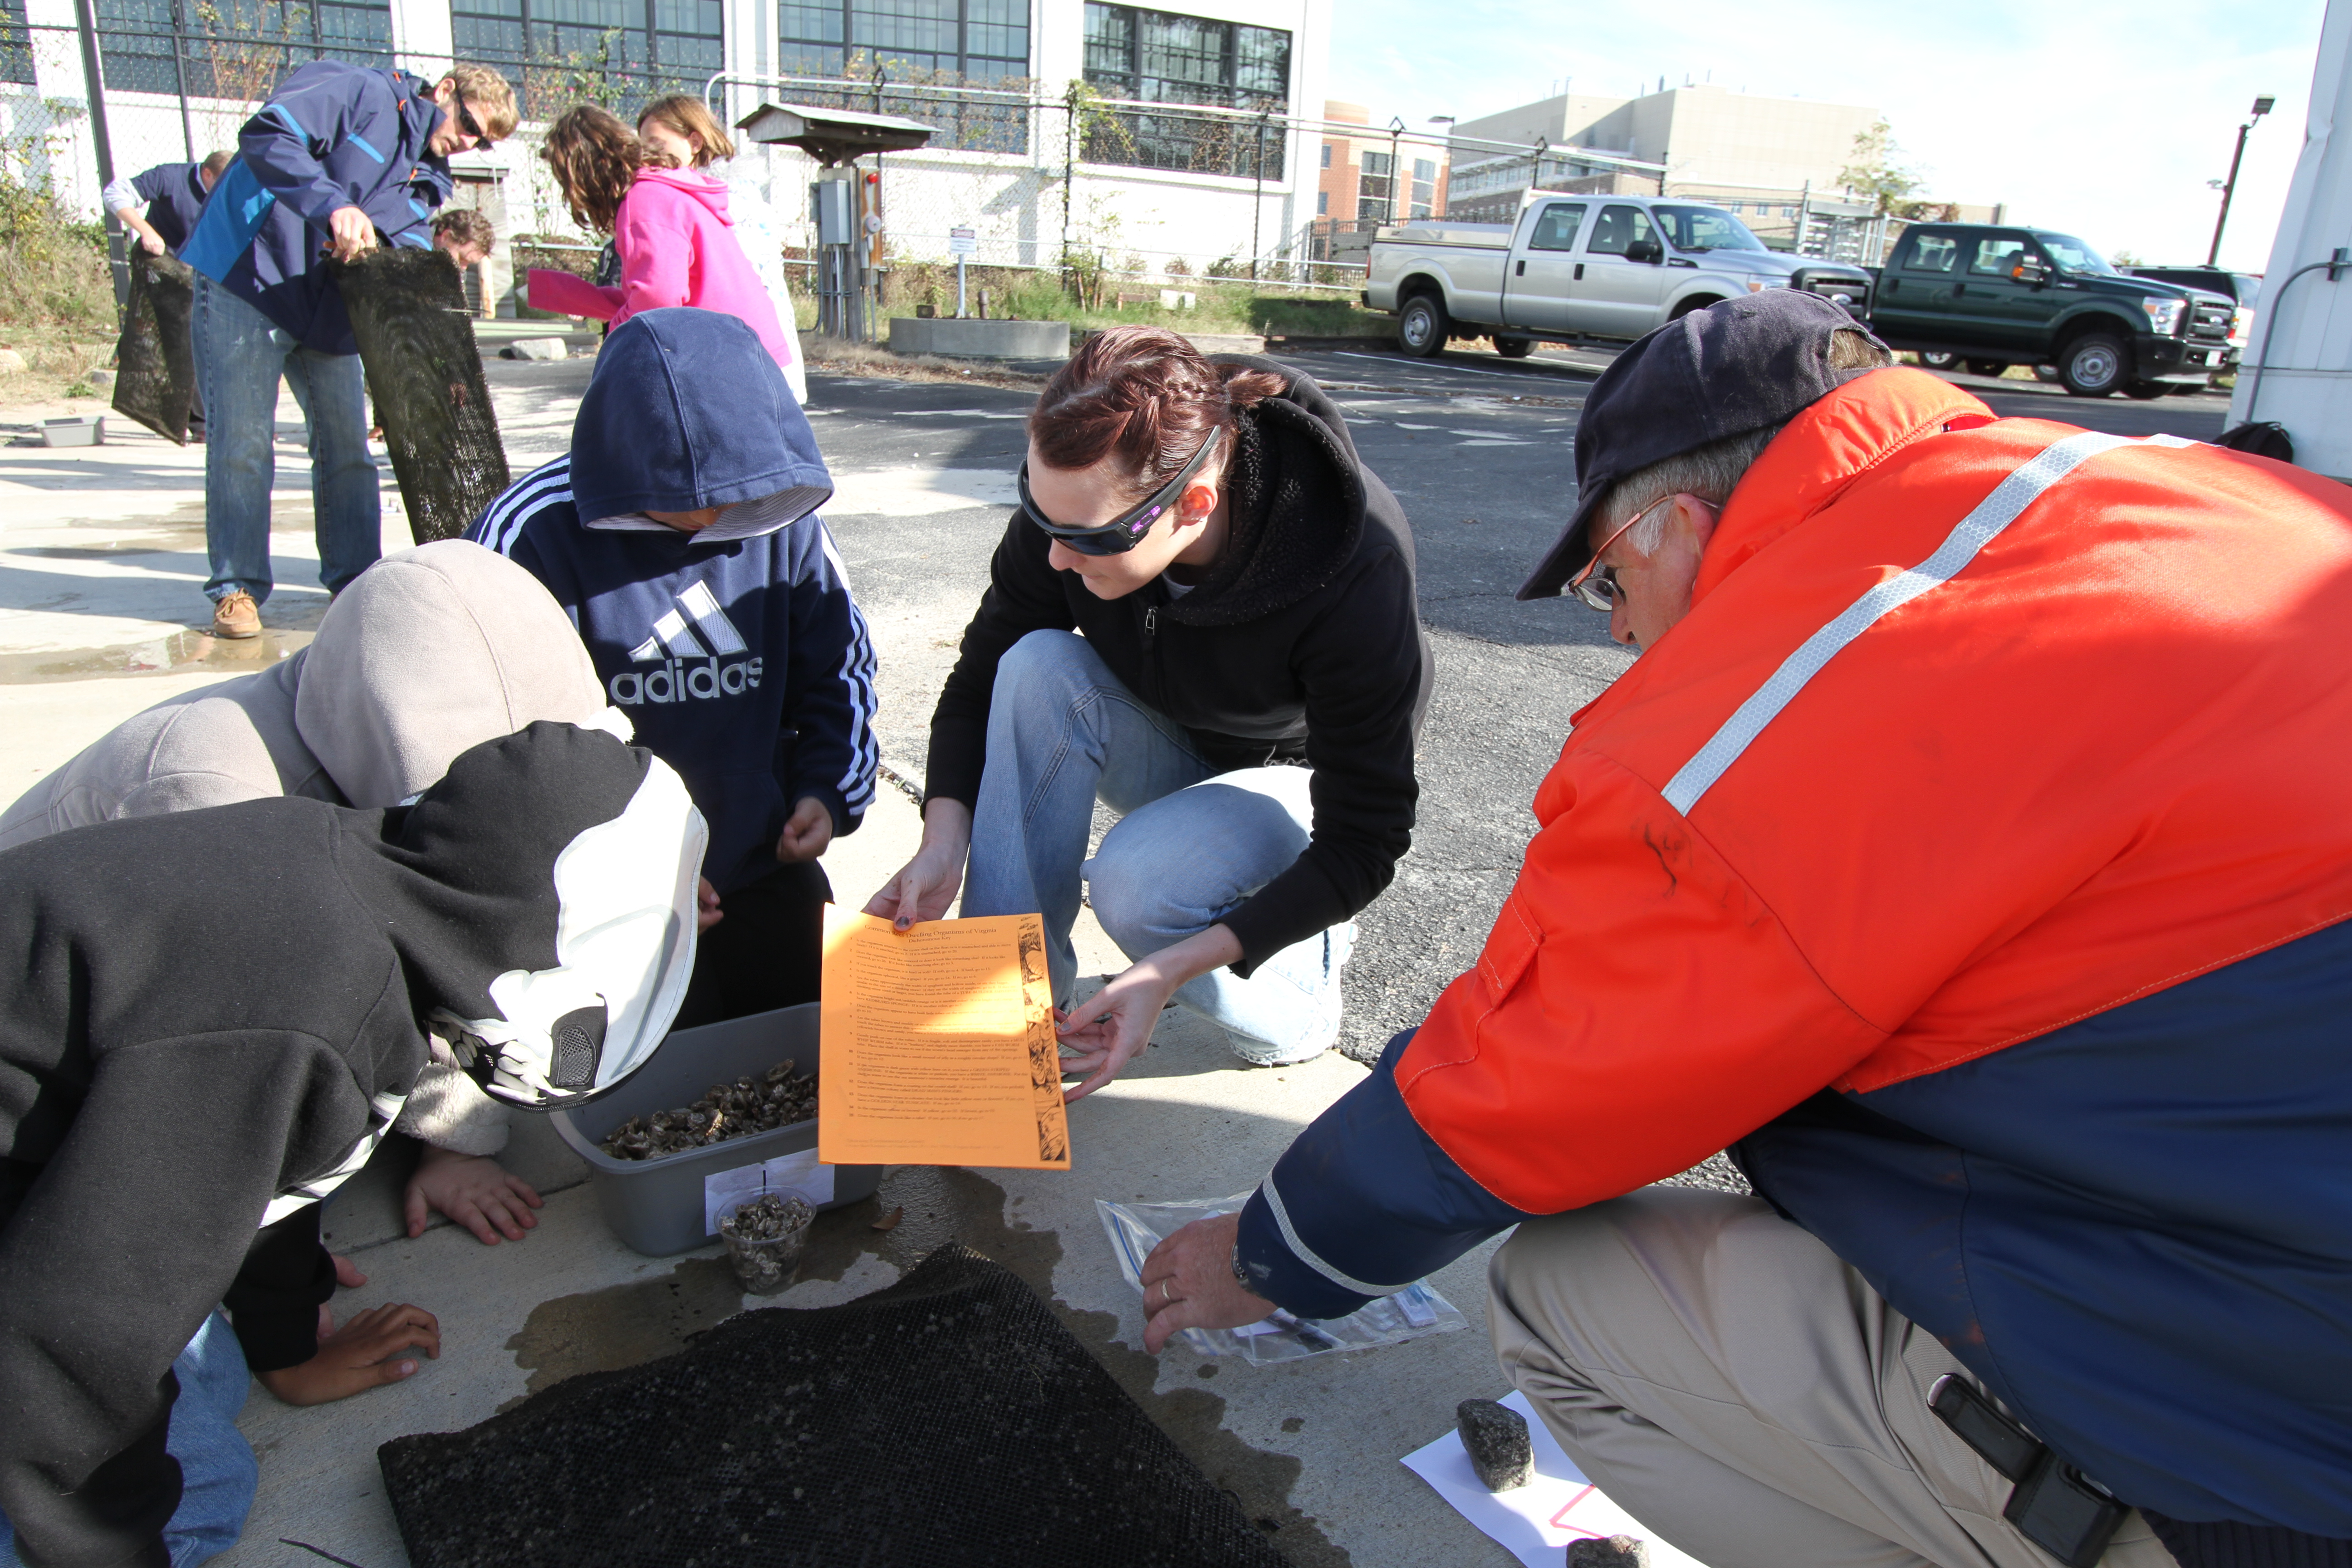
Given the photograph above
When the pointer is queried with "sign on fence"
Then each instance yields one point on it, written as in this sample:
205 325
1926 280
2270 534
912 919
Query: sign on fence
963 242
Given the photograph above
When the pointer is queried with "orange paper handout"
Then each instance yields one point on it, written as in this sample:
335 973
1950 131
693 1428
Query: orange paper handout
938 1045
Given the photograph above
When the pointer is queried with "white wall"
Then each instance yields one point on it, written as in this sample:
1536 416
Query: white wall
2307 383
1014 201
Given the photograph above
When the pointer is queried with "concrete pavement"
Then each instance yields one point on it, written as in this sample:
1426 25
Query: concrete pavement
101 562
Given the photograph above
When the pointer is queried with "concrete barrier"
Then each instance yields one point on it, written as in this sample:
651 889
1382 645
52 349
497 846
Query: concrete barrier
972 339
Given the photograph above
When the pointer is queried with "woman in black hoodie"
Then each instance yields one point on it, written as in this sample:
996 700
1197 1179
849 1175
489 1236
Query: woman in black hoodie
1202 615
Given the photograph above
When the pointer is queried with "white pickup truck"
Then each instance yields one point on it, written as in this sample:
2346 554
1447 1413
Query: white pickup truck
1581 267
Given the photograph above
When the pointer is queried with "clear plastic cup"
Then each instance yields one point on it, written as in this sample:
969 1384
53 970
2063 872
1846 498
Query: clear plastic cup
764 1236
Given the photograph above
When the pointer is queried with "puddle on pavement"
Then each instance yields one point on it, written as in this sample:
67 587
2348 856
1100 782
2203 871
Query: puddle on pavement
622 1325
178 653
626 1325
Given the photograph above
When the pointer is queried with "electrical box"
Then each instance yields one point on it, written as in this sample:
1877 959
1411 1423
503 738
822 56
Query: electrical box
833 206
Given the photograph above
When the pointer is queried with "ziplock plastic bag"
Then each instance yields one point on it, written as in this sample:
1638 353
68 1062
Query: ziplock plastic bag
1417 1310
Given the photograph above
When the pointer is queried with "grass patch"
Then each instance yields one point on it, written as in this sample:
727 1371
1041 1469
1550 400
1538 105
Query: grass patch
1219 306
56 296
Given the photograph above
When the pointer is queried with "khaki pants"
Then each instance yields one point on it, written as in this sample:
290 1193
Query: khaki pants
1716 1371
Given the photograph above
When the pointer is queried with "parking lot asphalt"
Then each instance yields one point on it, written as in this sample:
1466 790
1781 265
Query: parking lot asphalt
1483 470
1479 450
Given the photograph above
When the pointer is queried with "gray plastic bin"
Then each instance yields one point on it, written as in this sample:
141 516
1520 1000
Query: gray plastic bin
655 1205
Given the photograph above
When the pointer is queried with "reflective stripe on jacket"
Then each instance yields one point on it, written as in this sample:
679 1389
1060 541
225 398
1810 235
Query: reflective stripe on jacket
1977 837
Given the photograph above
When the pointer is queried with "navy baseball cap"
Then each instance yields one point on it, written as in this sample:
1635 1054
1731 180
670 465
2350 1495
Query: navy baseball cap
1738 365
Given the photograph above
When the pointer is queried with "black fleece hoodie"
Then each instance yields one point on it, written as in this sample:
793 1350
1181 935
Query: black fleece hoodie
202 1013
1303 644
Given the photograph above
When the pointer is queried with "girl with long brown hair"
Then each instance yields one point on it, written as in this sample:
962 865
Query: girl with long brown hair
1201 614
670 227
680 132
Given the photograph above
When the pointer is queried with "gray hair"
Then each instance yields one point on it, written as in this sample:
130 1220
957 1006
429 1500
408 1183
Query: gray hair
1713 471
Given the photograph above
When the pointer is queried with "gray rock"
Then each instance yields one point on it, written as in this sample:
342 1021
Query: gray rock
1617 1551
535 348
1495 1437
12 362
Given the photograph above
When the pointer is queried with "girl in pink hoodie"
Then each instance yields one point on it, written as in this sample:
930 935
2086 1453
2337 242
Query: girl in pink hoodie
669 225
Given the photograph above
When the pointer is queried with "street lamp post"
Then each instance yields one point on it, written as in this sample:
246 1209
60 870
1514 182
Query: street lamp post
1397 205
1445 119
2230 186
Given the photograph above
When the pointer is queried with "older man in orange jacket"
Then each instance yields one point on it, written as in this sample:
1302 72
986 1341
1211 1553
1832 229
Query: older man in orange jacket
1970 851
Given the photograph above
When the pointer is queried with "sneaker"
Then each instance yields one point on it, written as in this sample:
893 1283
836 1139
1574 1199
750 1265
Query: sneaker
236 615
1338 944
1262 1054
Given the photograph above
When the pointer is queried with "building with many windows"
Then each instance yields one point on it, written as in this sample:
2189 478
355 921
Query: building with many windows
1704 139
1779 162
1370 179
1189 126
1377 177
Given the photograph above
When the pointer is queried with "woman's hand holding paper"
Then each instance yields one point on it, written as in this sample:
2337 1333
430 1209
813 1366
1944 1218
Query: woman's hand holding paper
1109 1027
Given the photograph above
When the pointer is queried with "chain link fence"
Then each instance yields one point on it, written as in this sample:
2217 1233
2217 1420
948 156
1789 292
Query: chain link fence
1050 199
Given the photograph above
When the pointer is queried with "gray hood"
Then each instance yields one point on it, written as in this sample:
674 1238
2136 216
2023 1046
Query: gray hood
429 654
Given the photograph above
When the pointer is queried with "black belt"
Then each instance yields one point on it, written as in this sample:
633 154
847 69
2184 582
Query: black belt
2053 1505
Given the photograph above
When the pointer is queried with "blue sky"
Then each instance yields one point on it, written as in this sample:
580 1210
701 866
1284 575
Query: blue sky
2100 117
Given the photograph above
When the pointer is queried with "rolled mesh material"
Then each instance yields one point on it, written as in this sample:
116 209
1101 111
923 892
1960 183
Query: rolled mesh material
948 1421
417 343
156 361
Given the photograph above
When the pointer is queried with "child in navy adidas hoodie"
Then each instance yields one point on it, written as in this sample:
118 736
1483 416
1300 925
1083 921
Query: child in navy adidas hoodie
681 535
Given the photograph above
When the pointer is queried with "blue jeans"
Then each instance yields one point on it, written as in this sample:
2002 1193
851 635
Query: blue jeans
1191 844
217 1470
240 357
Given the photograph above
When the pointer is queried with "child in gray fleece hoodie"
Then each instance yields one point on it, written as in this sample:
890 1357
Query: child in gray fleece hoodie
426 654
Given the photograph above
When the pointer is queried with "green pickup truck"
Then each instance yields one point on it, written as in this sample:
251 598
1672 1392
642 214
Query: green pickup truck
1992 298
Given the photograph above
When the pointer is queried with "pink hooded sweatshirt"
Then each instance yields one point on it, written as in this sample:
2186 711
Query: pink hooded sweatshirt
677 247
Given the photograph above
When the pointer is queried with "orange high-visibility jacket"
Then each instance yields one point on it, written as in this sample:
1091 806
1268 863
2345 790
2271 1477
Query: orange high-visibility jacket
1974 850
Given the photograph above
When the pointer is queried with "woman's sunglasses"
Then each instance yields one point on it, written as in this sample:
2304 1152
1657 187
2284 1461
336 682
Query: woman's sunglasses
1119 535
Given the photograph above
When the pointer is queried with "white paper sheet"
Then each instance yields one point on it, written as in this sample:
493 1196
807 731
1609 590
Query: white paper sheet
1534 1522
798 1175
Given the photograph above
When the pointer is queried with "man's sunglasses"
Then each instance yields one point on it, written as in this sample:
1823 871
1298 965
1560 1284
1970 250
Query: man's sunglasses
1119 535
466 121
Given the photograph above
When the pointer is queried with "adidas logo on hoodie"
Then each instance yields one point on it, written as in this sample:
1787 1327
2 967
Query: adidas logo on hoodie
673 650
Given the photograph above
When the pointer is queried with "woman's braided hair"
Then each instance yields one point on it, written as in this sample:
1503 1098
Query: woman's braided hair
1143 398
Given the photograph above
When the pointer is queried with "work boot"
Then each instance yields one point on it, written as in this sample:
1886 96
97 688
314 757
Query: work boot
236 615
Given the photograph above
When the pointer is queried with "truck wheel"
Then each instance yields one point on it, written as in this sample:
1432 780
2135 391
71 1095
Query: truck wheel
1422 326
2094 365
1515 347
1987 366
2145 391
1935 360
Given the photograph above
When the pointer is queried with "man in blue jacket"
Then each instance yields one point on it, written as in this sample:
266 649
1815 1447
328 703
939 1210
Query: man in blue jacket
161 204
681 534
339 155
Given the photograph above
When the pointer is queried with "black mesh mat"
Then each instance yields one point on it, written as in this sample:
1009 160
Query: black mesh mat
155 362
948 1420
408 312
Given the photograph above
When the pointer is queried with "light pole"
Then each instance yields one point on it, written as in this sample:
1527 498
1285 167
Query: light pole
1439 207
2230 186
1396 171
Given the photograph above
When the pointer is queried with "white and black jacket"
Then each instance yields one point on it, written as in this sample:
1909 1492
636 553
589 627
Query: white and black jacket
205 1016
